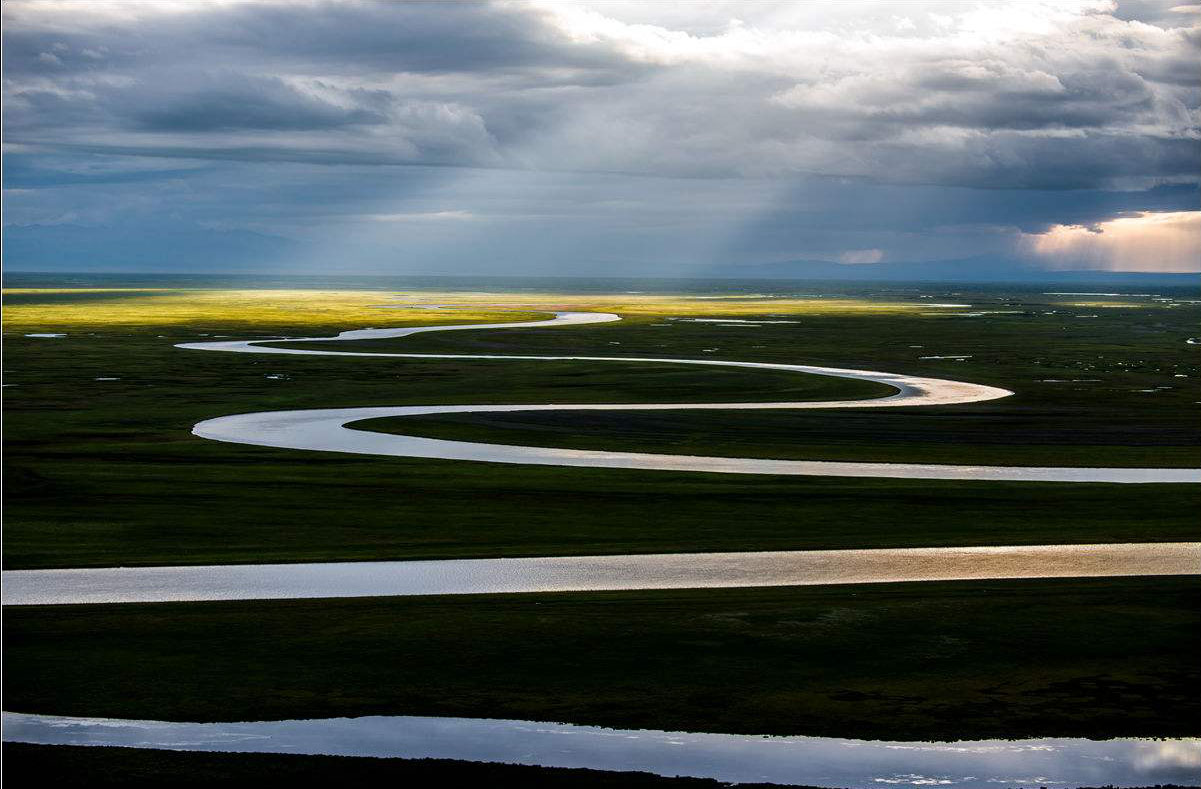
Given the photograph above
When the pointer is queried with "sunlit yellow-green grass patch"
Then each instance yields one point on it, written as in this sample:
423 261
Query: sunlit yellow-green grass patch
219 309
47 309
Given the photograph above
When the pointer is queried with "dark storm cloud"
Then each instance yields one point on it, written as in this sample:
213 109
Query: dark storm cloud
1089 161
963 221
239 103
337 36
281 67
567 88
411 36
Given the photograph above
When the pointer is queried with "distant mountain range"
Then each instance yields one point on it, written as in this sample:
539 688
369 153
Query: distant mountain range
980 269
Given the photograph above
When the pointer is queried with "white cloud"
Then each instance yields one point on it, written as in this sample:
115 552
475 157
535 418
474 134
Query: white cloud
855 257
1149 241
985 94
422 216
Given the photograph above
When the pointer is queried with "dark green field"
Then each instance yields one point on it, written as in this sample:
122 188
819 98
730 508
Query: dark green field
1091 658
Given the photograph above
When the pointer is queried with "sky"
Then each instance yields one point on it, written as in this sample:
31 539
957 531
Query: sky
595 138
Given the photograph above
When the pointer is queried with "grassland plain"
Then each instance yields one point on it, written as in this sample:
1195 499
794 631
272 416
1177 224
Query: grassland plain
105 472
1093 658
101 470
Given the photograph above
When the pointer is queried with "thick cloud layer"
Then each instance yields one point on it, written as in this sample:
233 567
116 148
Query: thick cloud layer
1063 94
797 122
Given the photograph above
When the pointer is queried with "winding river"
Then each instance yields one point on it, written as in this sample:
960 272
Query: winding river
325 429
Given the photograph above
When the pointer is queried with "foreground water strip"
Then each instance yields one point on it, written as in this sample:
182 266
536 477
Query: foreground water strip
593 573
814 761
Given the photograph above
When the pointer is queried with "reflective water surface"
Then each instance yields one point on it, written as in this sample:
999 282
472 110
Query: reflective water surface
593 573
818 761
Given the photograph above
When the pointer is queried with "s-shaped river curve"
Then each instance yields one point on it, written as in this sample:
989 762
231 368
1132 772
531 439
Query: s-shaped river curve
327 430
